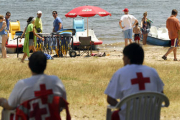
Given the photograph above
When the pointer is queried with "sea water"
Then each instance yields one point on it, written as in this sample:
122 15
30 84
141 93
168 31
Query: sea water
106 28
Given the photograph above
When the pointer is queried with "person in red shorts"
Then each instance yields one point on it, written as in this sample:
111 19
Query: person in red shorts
137 33
173 26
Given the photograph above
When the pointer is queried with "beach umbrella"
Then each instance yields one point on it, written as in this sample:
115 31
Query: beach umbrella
87 11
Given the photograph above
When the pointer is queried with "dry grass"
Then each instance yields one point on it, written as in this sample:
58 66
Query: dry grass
85 80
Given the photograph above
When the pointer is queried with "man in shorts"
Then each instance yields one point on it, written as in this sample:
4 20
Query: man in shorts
134 77
127 20
173 26
137 33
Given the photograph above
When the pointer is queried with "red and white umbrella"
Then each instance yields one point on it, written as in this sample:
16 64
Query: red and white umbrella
87 11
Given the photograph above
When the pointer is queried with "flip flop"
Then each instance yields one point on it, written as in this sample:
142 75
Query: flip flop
175 59
164 57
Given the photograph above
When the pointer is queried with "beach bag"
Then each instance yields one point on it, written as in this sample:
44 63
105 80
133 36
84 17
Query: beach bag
38 30
49 57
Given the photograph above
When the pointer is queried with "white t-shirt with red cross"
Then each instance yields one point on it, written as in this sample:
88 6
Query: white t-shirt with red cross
128 20
35 86
132 79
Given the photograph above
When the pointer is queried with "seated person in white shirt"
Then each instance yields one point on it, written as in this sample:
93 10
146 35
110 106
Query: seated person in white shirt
25 89
134 77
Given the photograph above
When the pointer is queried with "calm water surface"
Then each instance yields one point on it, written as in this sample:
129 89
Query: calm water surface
106 28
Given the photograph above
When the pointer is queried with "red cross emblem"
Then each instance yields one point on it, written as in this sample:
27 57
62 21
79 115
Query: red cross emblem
38 111
43 93
140 80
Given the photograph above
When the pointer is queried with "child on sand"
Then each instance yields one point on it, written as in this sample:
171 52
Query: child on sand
137 33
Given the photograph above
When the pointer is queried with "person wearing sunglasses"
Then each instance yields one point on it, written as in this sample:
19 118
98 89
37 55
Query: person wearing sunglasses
8 15
57 24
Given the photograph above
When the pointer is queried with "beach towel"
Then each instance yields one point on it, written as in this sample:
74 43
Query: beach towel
49 57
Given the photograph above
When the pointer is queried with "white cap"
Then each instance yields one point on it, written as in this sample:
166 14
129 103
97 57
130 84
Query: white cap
33 20
39 12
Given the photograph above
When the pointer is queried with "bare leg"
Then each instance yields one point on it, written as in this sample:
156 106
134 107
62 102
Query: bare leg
130 41
126 42
24 56
4 39
175 51
144 39
30 48
170 50
34 49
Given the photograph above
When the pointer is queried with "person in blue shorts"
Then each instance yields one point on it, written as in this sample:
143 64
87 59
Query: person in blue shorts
4 36
57 25
129 21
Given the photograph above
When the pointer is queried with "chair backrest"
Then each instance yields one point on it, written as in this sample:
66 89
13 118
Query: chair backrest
85 41
78 25
14 26
144 105
153 31
8 114
40 108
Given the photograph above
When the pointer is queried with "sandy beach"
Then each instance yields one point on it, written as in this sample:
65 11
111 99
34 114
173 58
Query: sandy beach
86 78
153 54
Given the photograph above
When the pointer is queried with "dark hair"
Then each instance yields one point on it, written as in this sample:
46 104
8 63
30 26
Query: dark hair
8 13
37 62
174 12
137 23
29 19
55 12
135 53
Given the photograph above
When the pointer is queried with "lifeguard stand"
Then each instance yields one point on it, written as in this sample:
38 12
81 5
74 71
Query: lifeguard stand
14 26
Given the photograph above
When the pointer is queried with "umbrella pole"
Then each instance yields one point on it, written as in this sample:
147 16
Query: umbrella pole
87 35
87 26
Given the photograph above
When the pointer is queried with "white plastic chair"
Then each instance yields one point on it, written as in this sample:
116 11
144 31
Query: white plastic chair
8 114
44 106
153 31
141 106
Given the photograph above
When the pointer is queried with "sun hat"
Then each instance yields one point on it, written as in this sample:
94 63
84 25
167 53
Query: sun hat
126 10
39 12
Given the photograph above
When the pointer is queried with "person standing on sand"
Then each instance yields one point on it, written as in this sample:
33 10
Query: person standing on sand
173 26
38 25
145 27
127 20
137 33
38 22
4 36
30 38
57 25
